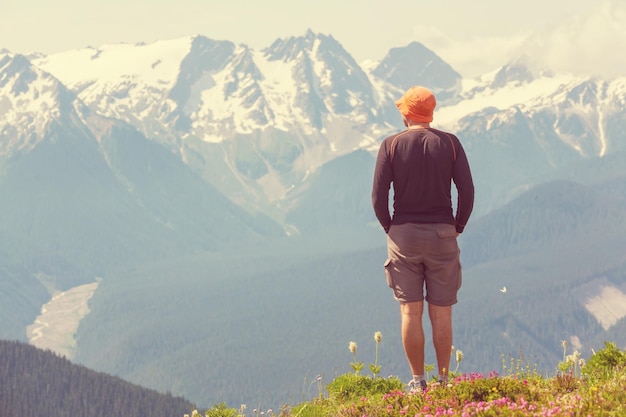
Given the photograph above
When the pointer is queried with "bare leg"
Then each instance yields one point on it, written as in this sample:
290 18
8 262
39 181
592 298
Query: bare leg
441 320
413 335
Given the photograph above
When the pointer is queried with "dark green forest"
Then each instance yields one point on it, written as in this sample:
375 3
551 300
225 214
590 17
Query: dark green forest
38 383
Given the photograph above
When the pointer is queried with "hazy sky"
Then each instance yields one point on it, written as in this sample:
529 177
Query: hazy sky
473 36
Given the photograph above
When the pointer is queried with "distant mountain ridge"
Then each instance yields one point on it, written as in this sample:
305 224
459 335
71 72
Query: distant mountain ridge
403 66
255 123
548 215
205 97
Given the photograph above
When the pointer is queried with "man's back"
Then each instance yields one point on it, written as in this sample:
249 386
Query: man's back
422 163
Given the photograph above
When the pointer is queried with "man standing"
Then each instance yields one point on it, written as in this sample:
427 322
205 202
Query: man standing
421 163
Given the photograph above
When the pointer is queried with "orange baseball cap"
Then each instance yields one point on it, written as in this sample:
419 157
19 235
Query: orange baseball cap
417 104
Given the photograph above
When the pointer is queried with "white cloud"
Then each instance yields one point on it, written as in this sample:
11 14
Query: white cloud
591 44
587 44
471 56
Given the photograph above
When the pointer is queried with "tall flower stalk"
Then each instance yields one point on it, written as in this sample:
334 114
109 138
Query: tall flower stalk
566 364
356 365
375 367
459 358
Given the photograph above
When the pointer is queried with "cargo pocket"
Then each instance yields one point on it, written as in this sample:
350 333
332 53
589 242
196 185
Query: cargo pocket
447 240
388 267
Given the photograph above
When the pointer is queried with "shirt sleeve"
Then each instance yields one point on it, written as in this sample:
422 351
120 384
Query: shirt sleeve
462 177
381 186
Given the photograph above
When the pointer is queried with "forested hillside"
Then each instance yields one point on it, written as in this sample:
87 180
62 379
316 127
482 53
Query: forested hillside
37 383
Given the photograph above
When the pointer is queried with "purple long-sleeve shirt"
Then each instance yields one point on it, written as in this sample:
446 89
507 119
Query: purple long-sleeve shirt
422 163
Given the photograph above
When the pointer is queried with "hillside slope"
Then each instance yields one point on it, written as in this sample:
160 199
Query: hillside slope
39 383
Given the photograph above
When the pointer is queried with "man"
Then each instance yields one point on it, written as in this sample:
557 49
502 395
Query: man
421 163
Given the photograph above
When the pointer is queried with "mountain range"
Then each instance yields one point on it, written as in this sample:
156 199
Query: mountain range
220 196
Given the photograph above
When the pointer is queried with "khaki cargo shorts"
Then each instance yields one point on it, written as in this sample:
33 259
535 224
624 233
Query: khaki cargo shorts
423 256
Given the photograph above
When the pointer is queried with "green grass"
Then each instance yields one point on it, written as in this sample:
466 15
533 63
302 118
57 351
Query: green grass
596 387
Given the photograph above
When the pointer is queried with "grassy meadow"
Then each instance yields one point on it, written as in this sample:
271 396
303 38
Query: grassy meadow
579 387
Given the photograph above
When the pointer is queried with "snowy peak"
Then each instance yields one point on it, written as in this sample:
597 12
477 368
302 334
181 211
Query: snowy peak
572 111
126 82
415 64
582 113
520 133
219 92
518 72
514 72
155 64
290 48
328 79
30 99
205 55
17 72
196 87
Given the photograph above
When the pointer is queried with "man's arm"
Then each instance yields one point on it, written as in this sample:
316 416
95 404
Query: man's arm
380 187
462 177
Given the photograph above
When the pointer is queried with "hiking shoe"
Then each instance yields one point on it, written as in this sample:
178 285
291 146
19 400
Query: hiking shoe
416 387
443 384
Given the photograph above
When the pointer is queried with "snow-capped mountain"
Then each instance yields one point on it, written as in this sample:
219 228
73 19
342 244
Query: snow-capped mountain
215 90
519 125
77 185
253 123
403 66
30 100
